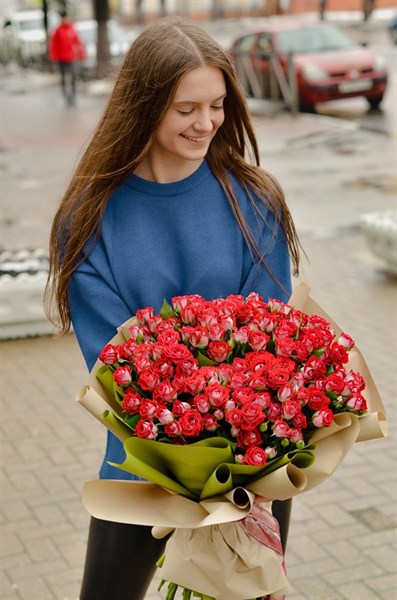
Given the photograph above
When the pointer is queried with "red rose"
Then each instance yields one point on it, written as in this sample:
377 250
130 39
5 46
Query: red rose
179 408
131 402
164 392
195 384
145 314
218 351
164 368
274 411
215 332
357 403
177 352
339 353
202 403
187 366
354 382
314 369
109 354
263 399
299 421
334 383
145 428
286 329
148 379
234 416
209 422
196 336
323 418
283 362
173 429
277 377
317 399
241 335
126 350
164 415
246 439
191 423
148 408
168 337
290 409
346 341
122 375
217 394
166 325
242 395
252 415
260 362
255 456
258 340
281 429
296 435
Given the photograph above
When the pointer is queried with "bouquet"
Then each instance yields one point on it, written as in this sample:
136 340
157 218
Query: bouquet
222 406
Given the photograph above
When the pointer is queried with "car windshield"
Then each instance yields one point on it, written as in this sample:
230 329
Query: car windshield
313 39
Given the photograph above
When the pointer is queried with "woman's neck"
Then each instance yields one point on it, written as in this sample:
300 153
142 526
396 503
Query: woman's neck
166 172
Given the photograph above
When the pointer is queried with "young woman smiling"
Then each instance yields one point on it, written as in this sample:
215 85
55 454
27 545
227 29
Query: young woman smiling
163 203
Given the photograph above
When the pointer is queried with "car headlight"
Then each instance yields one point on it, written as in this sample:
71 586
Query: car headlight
379 63
313 73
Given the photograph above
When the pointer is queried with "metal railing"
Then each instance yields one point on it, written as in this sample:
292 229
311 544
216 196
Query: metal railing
272 82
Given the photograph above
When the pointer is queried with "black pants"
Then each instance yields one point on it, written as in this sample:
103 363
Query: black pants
68 71
121 559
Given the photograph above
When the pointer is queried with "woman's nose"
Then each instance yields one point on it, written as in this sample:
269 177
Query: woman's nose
204 122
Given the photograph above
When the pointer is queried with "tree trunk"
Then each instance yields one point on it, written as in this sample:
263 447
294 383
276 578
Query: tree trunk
323 8
101 12
368 7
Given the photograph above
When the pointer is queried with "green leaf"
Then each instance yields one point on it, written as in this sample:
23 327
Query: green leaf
132 420
166 310
204 361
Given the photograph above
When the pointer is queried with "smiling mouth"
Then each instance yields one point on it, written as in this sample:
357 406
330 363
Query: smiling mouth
194 139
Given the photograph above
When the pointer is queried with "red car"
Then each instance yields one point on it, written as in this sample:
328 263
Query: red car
328 64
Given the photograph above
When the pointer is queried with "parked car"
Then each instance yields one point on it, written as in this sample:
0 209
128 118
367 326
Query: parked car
328 64
118 44
23 37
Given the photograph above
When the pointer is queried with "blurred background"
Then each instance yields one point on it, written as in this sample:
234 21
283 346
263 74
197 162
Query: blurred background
320 80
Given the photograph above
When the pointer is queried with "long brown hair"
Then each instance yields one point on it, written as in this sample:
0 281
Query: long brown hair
142 94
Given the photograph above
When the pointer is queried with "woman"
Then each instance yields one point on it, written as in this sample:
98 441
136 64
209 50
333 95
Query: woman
163 203
66 48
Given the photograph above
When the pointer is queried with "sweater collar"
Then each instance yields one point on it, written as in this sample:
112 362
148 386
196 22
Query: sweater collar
153 188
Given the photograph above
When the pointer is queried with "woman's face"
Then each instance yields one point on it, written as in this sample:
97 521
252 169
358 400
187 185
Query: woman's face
192 120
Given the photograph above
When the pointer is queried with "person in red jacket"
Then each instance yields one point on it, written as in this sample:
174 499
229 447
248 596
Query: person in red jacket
66 48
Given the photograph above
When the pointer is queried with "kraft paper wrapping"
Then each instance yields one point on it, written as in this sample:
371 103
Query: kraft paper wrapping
224 562
206 533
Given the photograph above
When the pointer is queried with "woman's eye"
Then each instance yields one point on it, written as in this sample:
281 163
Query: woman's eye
185 112
218 107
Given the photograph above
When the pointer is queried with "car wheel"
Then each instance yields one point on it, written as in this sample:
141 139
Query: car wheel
306 108
375 102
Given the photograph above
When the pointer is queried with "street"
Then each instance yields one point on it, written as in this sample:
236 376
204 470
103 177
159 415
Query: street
333 167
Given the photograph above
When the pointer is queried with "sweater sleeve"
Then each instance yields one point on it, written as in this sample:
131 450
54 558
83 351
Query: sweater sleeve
96 306
273 279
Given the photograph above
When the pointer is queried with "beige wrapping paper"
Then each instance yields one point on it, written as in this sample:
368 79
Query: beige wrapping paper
224 562
206 533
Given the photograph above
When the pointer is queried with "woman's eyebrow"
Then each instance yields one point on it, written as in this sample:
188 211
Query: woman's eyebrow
192 102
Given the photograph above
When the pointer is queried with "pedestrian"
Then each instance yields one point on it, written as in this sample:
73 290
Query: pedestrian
164 203
67 49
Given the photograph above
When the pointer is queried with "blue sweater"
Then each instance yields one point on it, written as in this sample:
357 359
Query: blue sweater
164 240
